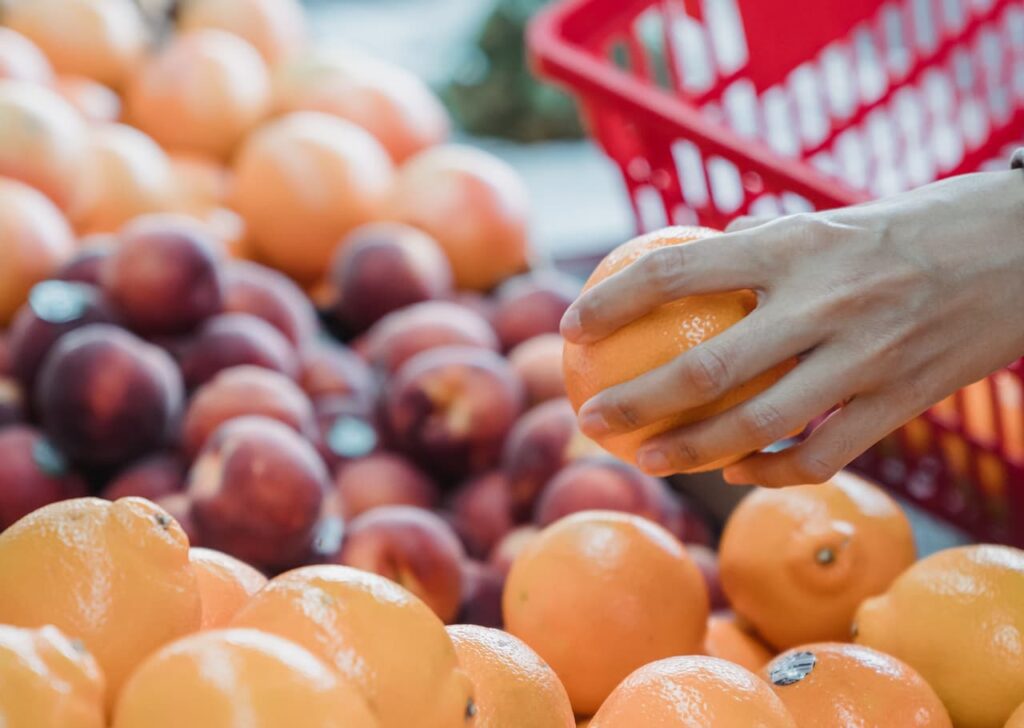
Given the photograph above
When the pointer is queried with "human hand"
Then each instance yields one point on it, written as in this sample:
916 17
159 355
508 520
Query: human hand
889 306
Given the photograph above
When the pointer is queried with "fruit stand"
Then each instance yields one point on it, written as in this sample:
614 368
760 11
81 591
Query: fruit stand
290 434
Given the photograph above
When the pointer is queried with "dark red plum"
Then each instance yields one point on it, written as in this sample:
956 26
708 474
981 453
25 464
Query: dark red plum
272 296
86 265
482 587
33 473
152 477
231 340
333 372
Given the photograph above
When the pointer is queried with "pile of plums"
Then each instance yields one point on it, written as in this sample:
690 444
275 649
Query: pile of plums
428 448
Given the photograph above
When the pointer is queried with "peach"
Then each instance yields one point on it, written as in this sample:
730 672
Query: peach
538 361
382 479
12 402
482 513
413 548
21 59
541 443
87 263
275 28
382 267
332 372
257 489
482 586
401 335
260 291
53 309
105 397
245 390
532 304
707 561
510 547
233 339
152 477
607 484
164 279
34 474
450 409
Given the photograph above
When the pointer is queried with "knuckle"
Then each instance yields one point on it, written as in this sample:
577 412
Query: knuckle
684 453
763 423
623 412
708 373
812 468
662 268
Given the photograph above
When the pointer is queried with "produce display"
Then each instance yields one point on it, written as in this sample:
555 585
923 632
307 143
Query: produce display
287 437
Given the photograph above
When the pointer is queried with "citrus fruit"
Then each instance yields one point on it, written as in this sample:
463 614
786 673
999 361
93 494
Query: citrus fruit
1017 719
514 687
835 685
238 677
389 102
43 141
728 639
475 207
92 99
598 594
48 681
35 240
378 635
115 575
202 93
202 184
130 176
957 618
797 562
98 39
275 28
21 59
654 340
692 692
225 584
302 182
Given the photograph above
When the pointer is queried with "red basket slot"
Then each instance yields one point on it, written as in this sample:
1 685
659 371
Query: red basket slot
715 108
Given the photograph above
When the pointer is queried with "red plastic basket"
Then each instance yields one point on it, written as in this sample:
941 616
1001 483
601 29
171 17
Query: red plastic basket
716 108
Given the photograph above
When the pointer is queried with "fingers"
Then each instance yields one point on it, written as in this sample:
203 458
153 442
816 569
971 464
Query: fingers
745 222
809 390
701 375
847 433
721 263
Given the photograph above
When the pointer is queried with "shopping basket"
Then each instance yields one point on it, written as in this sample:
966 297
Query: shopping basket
716 108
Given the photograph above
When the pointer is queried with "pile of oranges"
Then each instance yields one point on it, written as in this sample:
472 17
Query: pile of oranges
410 530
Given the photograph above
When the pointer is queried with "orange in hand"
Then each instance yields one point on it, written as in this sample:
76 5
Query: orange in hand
693 692
797 562
238 677
654 340
514 687
833 685
225 584
387 642
599 594
114 575
48 681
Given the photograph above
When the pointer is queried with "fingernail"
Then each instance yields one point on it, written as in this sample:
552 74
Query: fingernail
571 327
593 423
736 476
652 461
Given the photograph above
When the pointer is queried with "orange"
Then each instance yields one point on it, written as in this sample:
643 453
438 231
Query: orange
93 100
834 685
35 240
302 182
115 575
728 639
202 93
1017 719
598 594
378 635
21 59
275 28
797 562
43 141
474 205
225 584
693 692
239 677
656 339
48 681
99 39
957 618
514 687
130 176
389 102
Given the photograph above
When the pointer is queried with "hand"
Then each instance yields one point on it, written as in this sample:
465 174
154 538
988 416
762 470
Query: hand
889 306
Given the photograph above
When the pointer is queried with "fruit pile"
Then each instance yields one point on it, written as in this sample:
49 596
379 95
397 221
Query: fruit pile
280 397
